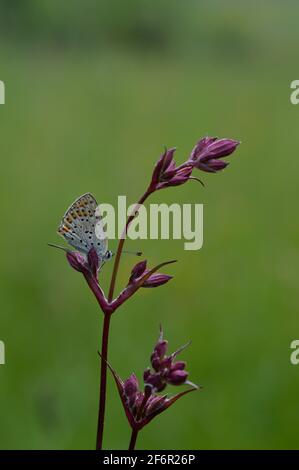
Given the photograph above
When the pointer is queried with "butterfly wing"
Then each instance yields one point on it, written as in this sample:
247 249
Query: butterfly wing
78 226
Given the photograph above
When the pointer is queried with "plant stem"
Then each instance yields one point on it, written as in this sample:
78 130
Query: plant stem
103 381
121 245
133 439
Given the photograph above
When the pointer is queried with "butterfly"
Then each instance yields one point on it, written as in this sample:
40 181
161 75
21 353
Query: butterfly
80 225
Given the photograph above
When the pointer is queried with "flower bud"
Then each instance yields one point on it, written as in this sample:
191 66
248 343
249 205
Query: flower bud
156 280
166 173
76 260
156 381
205 155
131 385
146 374
93 261
138 270
154 404
155 361
179 365
142 406
161 348
177 377
131 389
166 362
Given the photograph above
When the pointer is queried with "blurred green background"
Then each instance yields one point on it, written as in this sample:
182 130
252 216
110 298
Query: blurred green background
94 90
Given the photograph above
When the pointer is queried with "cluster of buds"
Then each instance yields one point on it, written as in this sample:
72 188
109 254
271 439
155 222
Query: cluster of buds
140 277
141 406
205 156
80 263
165 370
89 264
154 280
166 173
207 153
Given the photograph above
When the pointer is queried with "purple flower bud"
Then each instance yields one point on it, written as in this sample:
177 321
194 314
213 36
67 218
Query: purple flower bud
164 368
156 381
155 362
93 261
77 261
131 385
154 404
201 145
160 362
208 150
180 176
83 265
177 377
164 164
138 403
179 365
146 374
142 407
168 161
212 166
131 388
161 348
212 147
156 280
166 173
167 362
138 270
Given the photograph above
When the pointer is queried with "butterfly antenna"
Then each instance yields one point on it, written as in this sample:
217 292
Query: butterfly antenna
136 253
59 247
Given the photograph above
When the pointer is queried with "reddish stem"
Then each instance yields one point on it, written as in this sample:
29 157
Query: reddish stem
133 439
98 293
102 402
